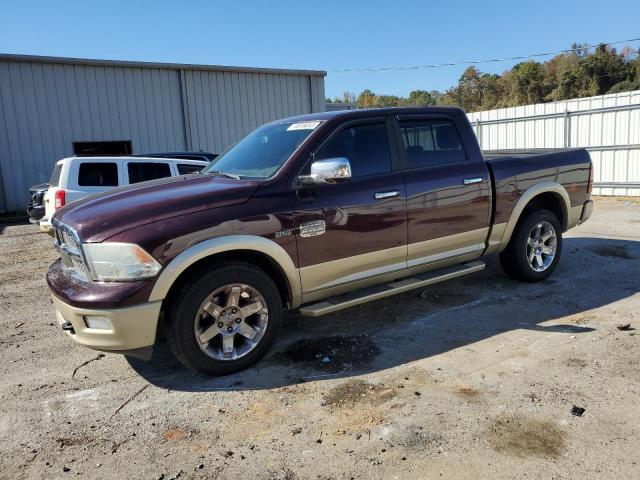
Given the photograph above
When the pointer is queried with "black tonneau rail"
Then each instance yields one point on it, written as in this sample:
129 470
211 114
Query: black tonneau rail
524 152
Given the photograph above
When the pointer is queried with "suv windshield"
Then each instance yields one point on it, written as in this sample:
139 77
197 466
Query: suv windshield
261 153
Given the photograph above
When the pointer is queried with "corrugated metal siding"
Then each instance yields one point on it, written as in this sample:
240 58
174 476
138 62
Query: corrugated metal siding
47 105
527 127
219 119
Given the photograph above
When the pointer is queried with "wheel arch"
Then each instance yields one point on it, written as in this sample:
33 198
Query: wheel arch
257 250
549 195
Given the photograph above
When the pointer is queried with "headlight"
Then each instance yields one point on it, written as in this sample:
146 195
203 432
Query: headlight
119 261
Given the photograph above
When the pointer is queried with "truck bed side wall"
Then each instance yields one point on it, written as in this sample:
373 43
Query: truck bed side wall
514 175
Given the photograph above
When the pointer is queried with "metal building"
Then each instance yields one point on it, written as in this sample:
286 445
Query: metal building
51 108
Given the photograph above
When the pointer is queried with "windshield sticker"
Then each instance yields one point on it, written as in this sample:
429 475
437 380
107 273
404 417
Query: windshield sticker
303 125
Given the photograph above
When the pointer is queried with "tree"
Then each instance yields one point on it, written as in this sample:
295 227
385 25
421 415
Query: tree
527 80
420 98
562 76
468 93
476 91
348 97
625 86
577 73
366 99
602 70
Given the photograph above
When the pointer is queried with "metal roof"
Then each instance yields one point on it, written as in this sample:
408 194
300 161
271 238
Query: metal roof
136 64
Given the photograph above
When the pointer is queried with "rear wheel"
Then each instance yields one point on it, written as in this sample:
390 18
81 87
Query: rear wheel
535 246
225 319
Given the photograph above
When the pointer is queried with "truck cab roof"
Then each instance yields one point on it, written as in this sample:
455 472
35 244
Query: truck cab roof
372 112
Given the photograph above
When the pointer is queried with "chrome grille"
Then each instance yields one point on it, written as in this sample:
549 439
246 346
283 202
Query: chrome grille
69 245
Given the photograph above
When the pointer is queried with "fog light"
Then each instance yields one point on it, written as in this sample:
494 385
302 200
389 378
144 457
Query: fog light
97 322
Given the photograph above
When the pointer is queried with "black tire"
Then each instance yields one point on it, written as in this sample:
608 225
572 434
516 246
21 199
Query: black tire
185 304
514 258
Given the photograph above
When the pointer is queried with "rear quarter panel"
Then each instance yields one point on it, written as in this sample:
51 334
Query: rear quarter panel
515 173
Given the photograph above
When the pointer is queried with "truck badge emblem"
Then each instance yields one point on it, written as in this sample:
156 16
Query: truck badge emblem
283 233
313 229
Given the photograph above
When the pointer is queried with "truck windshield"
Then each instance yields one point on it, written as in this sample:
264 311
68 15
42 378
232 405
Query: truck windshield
261 153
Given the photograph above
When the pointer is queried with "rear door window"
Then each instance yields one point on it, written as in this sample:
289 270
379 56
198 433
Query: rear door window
430 143
143 171
55 175
365 146
186 168
98 174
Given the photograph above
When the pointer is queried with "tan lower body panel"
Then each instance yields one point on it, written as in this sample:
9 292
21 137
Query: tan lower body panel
376 293
387 277
351 269
495 238
437 249
131 327
352 273
574 216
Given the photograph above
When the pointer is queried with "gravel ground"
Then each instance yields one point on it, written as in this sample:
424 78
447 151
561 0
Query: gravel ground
474 378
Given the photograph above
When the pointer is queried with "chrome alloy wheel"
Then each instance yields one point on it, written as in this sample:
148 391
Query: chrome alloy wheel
231 322
541 246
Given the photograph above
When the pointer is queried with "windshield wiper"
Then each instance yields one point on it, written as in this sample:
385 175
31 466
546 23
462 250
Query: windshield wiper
223 174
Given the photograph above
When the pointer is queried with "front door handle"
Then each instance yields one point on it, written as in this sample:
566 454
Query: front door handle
470 181
383 195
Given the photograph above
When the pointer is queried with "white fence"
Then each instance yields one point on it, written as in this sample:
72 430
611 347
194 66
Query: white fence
608 126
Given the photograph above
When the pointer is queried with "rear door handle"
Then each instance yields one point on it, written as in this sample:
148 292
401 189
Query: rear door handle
470 181
383 195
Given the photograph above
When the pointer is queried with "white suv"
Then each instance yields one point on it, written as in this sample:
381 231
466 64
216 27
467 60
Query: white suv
74 178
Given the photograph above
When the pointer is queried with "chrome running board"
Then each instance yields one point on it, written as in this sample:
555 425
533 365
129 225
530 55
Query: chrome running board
377 292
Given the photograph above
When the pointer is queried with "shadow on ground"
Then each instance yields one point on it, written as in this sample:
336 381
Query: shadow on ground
10 221
593 272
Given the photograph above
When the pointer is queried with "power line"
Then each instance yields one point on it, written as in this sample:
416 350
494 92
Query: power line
477 62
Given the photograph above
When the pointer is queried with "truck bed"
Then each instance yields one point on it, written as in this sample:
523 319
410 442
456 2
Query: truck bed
515 171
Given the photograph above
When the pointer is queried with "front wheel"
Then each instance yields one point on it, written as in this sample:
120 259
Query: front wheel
535 246
225 319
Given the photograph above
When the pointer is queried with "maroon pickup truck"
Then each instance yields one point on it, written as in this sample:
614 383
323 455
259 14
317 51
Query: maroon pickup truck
318 212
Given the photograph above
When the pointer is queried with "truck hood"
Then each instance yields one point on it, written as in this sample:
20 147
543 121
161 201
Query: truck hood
99 217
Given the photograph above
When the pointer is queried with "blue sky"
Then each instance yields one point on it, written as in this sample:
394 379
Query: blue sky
322 35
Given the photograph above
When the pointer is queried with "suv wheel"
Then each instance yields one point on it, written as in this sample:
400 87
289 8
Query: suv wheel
534 248
224 319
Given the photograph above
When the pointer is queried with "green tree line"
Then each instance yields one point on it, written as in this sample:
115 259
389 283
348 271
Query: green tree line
580 73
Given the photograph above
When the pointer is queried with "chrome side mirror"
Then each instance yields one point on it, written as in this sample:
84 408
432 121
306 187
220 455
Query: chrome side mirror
331 170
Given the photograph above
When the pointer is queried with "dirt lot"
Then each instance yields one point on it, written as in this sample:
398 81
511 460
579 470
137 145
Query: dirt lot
474 378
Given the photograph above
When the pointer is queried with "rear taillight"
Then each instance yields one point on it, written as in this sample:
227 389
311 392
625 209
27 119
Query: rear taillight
60 199
590 184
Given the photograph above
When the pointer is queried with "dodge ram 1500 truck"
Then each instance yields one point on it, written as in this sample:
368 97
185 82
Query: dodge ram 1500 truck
318 212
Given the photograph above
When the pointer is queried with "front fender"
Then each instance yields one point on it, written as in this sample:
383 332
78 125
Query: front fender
228 243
